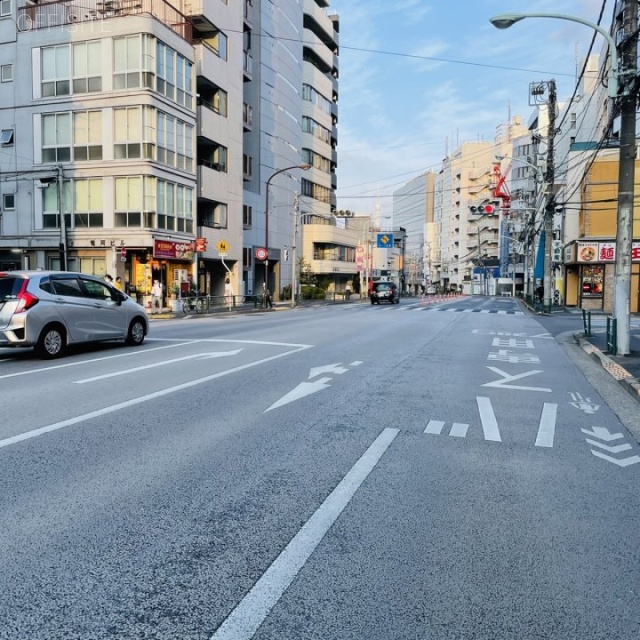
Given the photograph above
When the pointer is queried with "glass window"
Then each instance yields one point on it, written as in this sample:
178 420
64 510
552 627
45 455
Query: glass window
128 202
8 201
6 73
87 135
5 7
127 133
56 70
88 203
87 72
592 281
56 137
127 62
67 286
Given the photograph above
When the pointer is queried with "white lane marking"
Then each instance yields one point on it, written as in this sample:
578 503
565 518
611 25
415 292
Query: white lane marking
603 433
243 622
547 428
356 363
507 378
458 430
302 390
434 427
136 352
624 462
606 447
488 419
201 356
34 433
327 368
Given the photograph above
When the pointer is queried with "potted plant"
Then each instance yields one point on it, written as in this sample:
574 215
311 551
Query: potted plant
174 289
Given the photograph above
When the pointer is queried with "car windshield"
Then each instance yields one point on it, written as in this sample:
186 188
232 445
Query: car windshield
383 286
9 287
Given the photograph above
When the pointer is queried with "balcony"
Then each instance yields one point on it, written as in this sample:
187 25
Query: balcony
211 126
64 13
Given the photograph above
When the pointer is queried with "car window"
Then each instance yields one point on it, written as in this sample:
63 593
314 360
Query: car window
10 287
67 286
98 290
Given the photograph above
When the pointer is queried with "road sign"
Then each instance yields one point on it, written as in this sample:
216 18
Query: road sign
222 246
261 253
123 254
201 244
385 241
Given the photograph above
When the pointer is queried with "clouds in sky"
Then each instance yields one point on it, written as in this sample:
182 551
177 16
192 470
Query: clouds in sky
418 77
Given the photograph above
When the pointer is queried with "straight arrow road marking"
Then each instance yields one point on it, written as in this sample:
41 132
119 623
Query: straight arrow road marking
547 428
625 462
302 390
203 356
603 434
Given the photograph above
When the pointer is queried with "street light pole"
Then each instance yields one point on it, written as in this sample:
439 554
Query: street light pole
265 285
626 174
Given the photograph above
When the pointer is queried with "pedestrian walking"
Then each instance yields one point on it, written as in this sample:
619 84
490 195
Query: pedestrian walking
228 292
108 278
118 283
267 298
156 297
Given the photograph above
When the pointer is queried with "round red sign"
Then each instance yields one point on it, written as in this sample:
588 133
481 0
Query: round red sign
261 254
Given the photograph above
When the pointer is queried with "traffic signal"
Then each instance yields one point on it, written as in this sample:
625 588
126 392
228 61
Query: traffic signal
343 213
486 209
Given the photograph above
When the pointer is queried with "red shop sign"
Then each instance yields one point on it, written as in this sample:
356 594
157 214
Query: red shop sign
173 250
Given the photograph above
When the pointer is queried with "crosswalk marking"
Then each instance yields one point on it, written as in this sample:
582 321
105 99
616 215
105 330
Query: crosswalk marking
434 427
459 430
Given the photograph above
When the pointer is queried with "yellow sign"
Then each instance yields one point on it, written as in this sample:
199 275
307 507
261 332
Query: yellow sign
222 246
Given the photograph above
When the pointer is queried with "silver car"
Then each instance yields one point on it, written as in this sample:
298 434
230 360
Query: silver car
50 310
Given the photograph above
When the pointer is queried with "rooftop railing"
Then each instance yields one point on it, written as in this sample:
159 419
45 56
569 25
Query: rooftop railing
66 13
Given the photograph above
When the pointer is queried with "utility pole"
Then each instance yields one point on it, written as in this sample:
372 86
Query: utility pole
294 266
628 49
63 225
549 202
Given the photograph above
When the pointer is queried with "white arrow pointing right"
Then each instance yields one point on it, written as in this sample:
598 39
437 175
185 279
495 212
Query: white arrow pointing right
602 433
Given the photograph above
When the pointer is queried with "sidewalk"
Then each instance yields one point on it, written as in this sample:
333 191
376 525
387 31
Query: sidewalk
625 369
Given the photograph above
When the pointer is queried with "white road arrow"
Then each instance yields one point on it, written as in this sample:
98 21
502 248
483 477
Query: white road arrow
625 462
615 449
302 390
201 356
327 368
602 433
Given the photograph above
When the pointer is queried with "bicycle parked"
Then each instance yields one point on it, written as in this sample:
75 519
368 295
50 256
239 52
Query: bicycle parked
194 304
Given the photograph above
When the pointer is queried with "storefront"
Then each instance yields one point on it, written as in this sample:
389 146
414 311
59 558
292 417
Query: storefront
593 262
168 261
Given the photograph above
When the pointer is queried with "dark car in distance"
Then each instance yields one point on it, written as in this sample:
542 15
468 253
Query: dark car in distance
384 292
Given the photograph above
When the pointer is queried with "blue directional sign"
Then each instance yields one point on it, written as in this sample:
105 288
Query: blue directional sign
385 241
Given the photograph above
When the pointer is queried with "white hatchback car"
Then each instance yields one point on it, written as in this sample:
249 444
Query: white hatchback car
50 310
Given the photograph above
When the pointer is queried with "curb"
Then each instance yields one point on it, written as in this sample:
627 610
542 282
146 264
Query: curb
618 372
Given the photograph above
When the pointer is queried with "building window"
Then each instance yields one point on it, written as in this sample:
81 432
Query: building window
134 59
184 208
87 135
6 137
165 203
128 202
316 191
8 201
247 258
88 203
219 44
6 72
317 130
215 216
56 70
127 133
247 166
247 215
5 7
87 67
56 137
50 212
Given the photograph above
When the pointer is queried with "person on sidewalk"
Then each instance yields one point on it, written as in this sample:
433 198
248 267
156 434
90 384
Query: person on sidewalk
267 299
156 297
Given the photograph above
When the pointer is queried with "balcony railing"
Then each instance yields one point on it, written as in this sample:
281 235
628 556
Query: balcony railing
64 13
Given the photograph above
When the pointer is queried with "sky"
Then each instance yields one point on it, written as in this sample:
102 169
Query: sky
419 77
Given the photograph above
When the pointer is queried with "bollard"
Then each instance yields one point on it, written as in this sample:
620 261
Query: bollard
612 335
586 321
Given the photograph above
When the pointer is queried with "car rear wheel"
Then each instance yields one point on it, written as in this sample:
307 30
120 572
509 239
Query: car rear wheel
51 342
135 335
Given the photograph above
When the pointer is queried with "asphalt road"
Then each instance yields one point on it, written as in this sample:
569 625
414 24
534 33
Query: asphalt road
411 471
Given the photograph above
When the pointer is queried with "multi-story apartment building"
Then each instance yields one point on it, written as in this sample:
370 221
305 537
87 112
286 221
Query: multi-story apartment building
292 99
97 164
413 206
142 135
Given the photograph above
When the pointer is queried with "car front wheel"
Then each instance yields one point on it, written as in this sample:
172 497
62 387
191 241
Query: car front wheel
135 336
51 342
